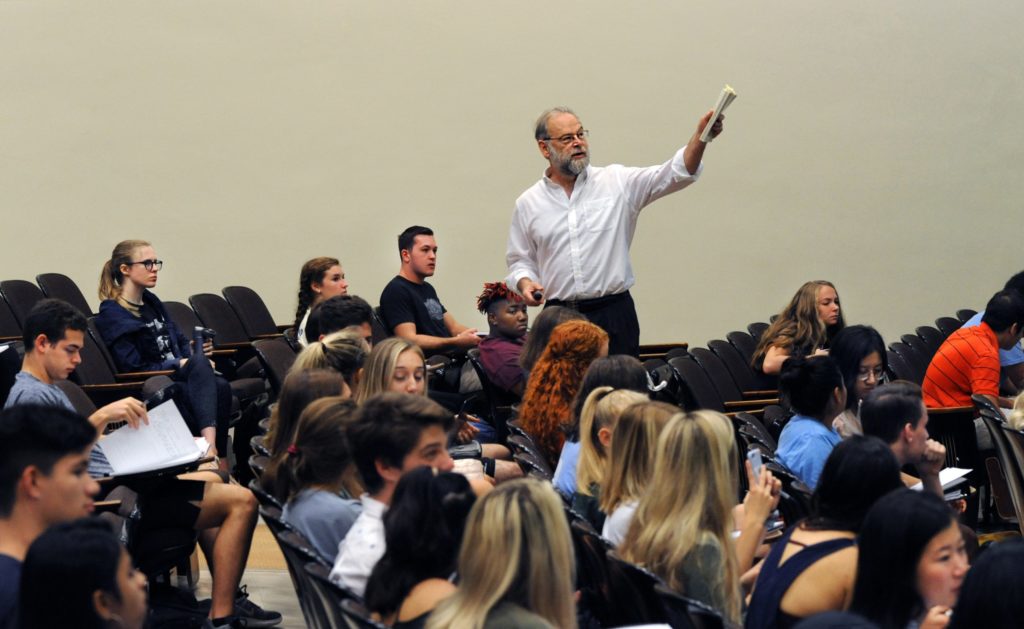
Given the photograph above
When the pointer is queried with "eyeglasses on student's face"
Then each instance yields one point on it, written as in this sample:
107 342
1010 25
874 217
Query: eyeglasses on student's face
569 137
150 265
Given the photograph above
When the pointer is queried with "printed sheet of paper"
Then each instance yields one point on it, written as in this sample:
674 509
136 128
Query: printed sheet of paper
946 476
164 442
724 100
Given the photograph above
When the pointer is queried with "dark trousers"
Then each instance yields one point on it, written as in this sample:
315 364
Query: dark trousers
616 315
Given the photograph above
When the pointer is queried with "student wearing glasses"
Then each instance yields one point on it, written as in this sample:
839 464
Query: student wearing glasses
860 353
142 337
571 231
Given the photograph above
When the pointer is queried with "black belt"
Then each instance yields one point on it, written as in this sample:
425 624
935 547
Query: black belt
589 305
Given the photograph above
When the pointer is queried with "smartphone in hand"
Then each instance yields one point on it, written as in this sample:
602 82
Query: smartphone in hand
756 463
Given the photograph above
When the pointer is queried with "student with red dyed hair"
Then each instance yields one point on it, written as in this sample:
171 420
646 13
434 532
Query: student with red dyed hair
500 351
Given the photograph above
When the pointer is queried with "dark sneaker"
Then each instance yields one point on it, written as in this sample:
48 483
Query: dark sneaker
231 622
252 615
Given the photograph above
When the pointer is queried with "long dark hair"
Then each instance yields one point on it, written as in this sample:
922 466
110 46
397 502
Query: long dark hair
540 333
892 539
63 568
422 530
858 472
852 345
990 595
312 271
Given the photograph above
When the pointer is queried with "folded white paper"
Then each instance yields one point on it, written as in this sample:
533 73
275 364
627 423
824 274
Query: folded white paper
946 477
724 100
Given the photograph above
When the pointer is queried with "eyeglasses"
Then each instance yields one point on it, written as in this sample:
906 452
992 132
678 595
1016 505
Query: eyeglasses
151 265
865 375
582 135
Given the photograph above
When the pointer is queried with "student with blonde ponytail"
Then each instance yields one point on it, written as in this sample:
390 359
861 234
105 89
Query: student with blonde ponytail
343 352
526 576
601 412
627 476
315 476
141 336
682 528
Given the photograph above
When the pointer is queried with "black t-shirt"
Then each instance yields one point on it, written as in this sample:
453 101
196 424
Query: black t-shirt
10 580
407 302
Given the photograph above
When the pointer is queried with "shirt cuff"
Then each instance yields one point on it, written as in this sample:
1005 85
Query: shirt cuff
679 166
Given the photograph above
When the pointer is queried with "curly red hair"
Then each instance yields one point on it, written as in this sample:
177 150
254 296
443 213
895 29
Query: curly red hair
555 380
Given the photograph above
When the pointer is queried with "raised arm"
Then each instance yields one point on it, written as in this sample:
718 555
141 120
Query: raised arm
695 148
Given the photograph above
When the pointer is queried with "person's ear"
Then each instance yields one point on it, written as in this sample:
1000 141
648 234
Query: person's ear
357 377
103 604
604 435
492 319
41 343
908 432
545 150
387 472
29 481
405 256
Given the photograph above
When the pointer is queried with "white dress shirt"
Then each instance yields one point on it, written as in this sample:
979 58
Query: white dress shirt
362 548
578 247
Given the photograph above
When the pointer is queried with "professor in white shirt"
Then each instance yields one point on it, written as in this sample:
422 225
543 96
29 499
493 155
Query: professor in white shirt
571 231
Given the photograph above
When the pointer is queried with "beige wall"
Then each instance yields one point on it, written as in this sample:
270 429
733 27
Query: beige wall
868 143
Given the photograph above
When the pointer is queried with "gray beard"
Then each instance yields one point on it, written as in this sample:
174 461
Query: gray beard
578 165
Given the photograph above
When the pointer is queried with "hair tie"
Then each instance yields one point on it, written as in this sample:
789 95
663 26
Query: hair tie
293 449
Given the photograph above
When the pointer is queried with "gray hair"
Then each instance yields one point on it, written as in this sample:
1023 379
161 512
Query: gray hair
540 131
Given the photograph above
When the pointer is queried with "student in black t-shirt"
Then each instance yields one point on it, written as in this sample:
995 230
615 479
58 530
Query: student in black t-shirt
409 305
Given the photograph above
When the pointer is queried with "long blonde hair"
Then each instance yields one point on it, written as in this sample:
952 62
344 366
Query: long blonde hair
380 367
798 328
516 549
343 351
111 276
631 460
602 409
689 502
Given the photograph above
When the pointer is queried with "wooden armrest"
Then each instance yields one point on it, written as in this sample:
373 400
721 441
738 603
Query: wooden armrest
127 387
756 405
107 506
767 393
268 336
952 410
5 339
234 346
223 353
136 376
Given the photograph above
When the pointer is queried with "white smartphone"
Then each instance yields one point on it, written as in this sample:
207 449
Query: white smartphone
754 456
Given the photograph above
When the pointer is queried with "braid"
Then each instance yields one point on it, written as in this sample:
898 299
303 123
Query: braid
312 271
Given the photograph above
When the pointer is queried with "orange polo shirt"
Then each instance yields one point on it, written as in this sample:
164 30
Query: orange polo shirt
967 363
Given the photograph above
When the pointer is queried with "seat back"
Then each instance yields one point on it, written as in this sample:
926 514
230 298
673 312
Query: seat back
10 329
744 344
499 402
1015 440
898 367
333 598
948 325
686 613
215 313
757 429
699 392
742 373
592 572
297 553
667 386
931 336
59 286
251 311
380 330
1007 461
923 349
258 464
757 329
914 361
277 358
20 295
95 367
533 466
954 428
964 314
795 500
719 374
83 405
634 594
183 316
265 498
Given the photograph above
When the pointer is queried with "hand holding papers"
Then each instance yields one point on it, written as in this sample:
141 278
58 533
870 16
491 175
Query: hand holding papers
724 100
164 442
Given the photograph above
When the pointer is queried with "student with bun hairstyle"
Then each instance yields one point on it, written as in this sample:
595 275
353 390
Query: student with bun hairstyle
813 388
344 352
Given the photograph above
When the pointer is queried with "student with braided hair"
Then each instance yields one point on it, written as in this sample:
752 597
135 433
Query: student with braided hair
320 279
500 351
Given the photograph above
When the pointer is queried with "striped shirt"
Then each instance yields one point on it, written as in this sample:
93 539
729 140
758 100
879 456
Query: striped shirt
967 363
